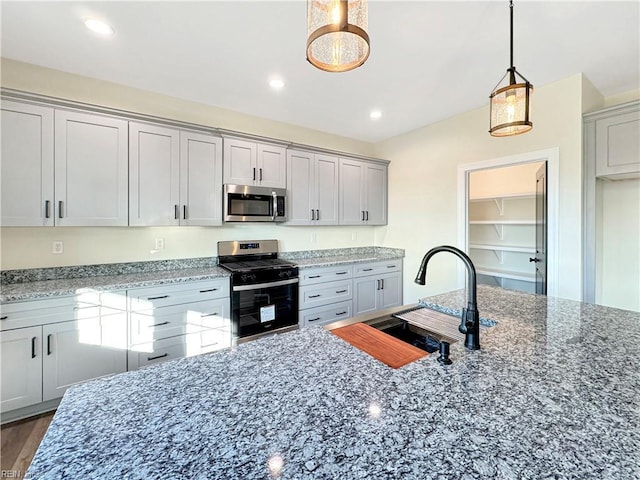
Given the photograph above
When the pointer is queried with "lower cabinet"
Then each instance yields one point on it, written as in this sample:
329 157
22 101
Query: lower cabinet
173 321
377 285
21 357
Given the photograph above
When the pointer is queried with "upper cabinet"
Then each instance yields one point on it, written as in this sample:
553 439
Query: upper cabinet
90 170
89 187
612 141
27 165
175 177
363 193
312 188
251 163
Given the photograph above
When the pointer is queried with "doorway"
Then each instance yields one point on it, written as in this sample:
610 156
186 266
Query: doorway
497 205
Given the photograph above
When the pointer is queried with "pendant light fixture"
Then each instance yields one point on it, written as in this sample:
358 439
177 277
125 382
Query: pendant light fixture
337 38
509 107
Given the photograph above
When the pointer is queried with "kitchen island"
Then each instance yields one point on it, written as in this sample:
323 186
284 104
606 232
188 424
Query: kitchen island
553 393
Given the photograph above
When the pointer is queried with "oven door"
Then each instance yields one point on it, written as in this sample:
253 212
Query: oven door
264 307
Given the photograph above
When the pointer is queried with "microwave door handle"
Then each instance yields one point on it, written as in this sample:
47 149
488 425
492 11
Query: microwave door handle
275 206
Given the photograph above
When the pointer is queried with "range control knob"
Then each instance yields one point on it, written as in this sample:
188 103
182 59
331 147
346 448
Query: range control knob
248 277
285 274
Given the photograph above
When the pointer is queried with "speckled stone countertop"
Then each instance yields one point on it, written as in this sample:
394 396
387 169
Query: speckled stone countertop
41 283
552 394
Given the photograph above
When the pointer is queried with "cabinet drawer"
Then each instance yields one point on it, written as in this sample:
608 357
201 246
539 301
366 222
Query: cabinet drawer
330 292
326 314
179 346
150 325
375 268
325 274
164 295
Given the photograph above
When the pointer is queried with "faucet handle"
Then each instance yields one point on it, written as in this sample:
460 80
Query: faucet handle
463 322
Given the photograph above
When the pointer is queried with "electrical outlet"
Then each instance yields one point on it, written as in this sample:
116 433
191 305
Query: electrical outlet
159 243
354 235
313 238
57 247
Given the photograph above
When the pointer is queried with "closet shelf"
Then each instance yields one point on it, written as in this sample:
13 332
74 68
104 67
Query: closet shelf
503 248
495 272
502 222
489 198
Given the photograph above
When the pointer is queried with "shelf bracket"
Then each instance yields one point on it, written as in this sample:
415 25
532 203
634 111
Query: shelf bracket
500 204
499 255
499 230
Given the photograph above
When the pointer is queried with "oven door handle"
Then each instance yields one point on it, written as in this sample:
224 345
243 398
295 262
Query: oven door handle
242 288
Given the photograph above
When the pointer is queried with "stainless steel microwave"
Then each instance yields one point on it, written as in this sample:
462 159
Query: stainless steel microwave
248 203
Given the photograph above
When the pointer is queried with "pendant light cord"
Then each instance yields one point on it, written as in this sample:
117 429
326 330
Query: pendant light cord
511 30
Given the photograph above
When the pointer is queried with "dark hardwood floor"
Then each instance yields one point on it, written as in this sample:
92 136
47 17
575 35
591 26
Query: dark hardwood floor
19 442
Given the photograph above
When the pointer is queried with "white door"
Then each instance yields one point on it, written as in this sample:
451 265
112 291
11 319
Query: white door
326 180
91 170
271 166
200 179
154 171
240 158
351 192
21 368
80 350
27 165
376 192
300 188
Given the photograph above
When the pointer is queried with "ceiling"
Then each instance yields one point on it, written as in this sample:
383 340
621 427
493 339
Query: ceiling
429 60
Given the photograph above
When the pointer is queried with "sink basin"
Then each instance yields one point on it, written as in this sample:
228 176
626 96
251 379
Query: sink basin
422 327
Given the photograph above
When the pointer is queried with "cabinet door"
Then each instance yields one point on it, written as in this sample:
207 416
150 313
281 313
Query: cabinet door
200 179
27 165
376 192
272 166
618 145
300 188
21 368
91 166
390 293
326 175
240 159
365 294
154 162
351 192
80 350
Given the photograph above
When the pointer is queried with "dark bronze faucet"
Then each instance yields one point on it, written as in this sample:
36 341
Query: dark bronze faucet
470 320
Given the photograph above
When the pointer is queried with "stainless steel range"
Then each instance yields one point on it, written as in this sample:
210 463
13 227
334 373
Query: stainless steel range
264 296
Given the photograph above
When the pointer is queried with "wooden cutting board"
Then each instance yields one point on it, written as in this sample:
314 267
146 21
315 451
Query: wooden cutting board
389 350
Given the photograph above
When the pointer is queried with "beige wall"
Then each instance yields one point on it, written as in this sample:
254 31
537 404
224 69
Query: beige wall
512 180
423 182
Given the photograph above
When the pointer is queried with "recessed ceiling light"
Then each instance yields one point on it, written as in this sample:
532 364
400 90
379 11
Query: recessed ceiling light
375 114
276 83
99 27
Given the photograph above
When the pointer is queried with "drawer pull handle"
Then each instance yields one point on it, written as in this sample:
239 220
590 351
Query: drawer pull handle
209 345
341 313
341 273
47 209
314 319
314 296
341 291
60 205
176 212
49 344
33 347
4 317
207 291
184 212
158 298
391 266
160 324
315 276
382 284
367 269
209 314
157 357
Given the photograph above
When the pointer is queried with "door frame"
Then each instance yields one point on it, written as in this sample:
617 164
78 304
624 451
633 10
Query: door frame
552 157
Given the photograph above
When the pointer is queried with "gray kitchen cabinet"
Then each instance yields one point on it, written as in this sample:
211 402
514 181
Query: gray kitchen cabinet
251 163
312 188
363 193
377 285
325 295
21 368
173 321
612 139
175 177
27 165
91 170
81 181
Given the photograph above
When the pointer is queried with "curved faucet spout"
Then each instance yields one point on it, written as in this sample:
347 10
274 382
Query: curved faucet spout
470 321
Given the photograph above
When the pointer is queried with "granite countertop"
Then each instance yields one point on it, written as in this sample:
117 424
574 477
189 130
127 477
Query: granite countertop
37 284
552 394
